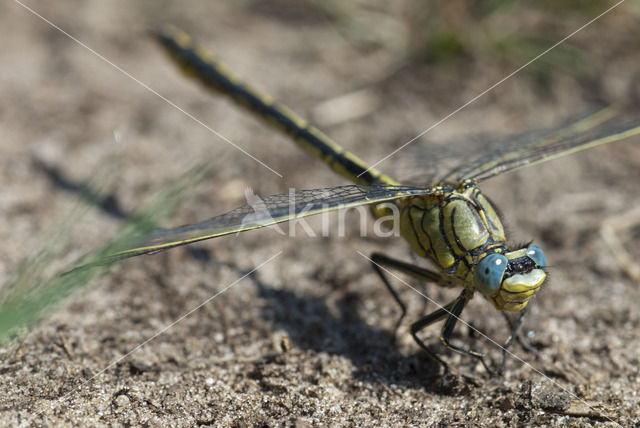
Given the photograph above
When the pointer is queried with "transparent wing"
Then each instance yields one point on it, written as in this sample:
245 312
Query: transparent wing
603 127
483 158
272 210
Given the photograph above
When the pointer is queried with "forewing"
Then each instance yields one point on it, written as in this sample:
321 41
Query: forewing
272 210
482 157
605 126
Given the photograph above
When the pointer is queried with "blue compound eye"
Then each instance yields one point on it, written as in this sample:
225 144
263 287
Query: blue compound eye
489 273
536 254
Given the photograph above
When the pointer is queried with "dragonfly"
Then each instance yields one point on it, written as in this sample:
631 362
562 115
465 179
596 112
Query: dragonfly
448 221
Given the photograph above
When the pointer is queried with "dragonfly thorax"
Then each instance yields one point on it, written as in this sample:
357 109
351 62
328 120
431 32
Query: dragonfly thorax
453 229
458 229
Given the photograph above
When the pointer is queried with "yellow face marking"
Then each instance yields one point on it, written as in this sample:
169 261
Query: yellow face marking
512 255
515 291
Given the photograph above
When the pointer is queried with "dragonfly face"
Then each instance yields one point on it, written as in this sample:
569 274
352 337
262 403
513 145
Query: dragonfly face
509 280
461 232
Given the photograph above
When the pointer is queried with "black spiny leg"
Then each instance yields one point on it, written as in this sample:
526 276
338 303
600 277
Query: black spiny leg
378 260
452 313
422 323
515 334
450 323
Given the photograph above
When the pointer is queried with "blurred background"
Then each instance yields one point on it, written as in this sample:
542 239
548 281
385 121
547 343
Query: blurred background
372 75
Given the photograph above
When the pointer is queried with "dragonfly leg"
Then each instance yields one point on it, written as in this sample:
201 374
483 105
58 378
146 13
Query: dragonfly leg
426 321
452 313
515 334
379 261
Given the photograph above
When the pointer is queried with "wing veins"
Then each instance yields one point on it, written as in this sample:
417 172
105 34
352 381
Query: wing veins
602 127
272 210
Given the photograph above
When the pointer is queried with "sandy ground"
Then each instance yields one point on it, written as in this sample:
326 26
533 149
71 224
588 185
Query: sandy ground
306 339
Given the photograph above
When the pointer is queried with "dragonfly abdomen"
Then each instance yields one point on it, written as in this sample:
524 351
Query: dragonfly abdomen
197 62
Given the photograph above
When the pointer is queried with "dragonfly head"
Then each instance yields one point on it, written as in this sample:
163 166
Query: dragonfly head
510 279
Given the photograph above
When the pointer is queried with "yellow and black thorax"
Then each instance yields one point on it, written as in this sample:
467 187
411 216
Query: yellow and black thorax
455 229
